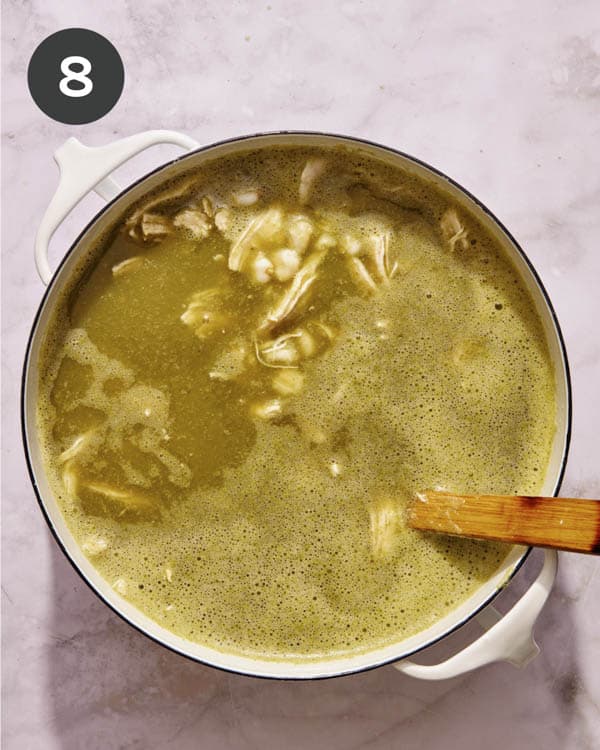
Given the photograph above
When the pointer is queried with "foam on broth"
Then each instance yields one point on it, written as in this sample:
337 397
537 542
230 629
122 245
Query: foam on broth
242 479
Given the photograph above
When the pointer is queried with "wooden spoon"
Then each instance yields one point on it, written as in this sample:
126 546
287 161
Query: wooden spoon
560 522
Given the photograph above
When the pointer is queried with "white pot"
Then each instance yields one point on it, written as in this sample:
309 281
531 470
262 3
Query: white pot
507 637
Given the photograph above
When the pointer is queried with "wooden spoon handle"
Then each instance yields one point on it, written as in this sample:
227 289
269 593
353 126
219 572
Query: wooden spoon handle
560 522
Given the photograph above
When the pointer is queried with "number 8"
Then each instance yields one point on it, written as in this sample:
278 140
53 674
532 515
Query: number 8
71 75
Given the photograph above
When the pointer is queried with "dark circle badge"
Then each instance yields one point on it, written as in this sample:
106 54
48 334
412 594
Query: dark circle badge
75 76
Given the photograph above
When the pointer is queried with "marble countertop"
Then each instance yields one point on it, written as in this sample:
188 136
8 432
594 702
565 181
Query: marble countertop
505 97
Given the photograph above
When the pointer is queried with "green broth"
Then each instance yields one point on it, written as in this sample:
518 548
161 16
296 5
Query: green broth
254 503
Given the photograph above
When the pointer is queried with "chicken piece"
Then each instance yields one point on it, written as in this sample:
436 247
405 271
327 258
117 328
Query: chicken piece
231 363
288 382
368 261
127 265
154 227
325 241
223 219
94 546
313 169
120 586
170 195
245 197
194 221
70 480
281 352
125 502
207 207
299 231
326 332
351 245
80 442
267 410
306 344
289 348
262 229
380 256
297 292
204 314
361 276
453 230
314 338
385 525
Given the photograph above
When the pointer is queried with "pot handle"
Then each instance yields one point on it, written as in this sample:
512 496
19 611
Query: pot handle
85 168
508 637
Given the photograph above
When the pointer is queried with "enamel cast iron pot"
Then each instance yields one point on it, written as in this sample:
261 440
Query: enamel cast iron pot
83 169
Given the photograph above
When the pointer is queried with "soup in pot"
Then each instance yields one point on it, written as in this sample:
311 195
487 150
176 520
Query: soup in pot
258 367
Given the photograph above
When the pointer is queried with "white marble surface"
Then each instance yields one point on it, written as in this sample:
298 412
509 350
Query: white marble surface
503 96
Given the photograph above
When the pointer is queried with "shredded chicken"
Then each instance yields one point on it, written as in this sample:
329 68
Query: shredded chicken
108 491
264 227
127 499
232 362
368 262
203 313
296 293
306 343
385 523
271 246
194 221
325 241
453 230
313 169
76 447
120 586
170 195
380 255
207 207
351 245
152 228
299 231
324 329
94 546
281 352
266 410
360 275
223 219
149 224
70 480
288 382
129 264
245 197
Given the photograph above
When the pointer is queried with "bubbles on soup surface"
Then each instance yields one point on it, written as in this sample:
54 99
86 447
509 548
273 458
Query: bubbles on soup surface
262 366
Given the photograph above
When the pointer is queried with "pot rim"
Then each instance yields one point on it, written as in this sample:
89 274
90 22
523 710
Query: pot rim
249 137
